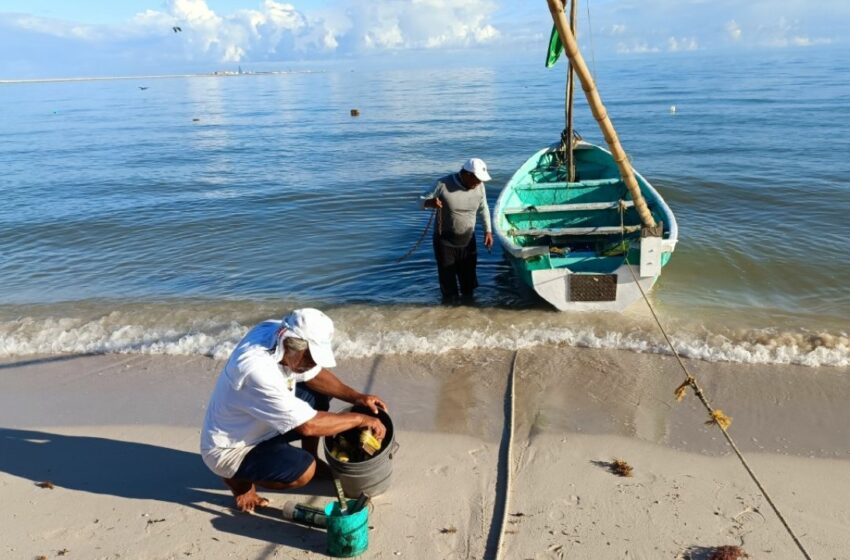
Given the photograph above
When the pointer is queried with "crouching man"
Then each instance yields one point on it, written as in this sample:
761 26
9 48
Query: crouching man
275 389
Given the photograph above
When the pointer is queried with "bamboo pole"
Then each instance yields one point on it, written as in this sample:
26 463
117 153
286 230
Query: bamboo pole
556 7
571 166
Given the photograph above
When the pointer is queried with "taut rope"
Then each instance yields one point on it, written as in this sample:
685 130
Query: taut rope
717 417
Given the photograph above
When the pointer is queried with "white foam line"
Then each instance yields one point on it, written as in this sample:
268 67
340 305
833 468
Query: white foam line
62 336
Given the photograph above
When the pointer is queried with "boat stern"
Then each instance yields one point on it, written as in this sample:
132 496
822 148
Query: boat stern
569 291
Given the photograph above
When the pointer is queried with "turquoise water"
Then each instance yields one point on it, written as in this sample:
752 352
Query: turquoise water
169 219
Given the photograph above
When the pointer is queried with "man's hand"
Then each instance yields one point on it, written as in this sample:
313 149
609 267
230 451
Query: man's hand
488 240
377 427
371 402
433 203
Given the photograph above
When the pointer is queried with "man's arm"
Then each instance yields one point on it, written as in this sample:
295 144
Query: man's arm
329 384
484 212
431 197
333 423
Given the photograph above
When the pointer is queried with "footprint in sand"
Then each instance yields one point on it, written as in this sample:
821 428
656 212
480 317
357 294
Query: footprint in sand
746 522
557 511
442 470
556 514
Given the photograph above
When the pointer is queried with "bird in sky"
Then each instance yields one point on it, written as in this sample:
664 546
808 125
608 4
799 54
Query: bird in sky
143 87
176 29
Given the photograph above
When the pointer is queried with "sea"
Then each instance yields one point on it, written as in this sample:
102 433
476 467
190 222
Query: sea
168 215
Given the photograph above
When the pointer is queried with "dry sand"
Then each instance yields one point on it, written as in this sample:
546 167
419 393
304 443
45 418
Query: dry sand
117 435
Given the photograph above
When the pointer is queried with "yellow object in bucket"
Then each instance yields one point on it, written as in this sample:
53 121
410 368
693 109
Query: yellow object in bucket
369 443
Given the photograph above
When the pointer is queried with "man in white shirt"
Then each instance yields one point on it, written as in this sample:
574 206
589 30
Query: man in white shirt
274 389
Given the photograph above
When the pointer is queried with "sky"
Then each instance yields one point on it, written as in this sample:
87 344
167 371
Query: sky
55 38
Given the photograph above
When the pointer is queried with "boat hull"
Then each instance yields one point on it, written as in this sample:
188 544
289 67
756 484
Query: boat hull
554 286
559 236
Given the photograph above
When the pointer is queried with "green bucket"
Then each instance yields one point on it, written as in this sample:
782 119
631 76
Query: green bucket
348 535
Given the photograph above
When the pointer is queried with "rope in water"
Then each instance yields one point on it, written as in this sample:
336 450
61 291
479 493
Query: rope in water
718 418
436 212
510 459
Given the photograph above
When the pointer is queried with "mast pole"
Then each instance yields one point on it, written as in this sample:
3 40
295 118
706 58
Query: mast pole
556 8
571 165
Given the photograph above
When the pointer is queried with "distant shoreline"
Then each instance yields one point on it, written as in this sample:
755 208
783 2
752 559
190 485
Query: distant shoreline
222 74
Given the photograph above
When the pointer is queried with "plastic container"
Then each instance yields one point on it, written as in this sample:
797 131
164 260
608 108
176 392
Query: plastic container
302 513
348 535
372 476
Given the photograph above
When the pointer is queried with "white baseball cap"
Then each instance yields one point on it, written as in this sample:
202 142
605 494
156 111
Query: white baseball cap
478 168
316 328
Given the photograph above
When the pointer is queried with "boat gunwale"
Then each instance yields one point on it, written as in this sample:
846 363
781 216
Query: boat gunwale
519 251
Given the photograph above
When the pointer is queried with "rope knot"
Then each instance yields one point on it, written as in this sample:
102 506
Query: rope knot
719 418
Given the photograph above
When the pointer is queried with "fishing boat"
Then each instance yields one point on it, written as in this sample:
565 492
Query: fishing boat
579 225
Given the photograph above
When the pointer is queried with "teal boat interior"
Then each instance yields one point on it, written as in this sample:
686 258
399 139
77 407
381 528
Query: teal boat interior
588 225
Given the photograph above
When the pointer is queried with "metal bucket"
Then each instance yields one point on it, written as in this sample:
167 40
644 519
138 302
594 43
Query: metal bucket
373 475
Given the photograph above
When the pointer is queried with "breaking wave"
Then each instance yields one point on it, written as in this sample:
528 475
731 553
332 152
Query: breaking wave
365 331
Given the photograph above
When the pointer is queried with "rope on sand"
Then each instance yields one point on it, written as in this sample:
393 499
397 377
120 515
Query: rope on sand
717 417
510 458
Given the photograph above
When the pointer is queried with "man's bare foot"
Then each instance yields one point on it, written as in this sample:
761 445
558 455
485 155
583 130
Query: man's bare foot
246 495
250 500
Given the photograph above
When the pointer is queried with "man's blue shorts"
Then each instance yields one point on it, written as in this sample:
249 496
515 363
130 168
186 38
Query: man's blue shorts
275 460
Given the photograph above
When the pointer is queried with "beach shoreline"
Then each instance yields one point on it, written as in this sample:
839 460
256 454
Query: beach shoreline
117 436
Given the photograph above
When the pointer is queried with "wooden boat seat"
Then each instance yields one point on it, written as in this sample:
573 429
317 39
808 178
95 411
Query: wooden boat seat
566 185
563 232
614 205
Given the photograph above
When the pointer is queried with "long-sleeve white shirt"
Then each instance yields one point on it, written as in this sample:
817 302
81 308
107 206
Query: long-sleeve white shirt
460 206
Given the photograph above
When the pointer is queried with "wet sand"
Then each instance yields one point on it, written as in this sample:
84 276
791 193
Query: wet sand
117 435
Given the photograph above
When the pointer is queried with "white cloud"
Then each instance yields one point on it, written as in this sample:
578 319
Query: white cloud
55 27
797 41
638 47
329 41
787 33
733 30
396 24
682 44
281 30
277 30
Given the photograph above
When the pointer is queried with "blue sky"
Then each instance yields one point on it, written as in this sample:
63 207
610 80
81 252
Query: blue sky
43 38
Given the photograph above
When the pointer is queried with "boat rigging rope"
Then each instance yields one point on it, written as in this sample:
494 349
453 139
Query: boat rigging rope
717 417
590 33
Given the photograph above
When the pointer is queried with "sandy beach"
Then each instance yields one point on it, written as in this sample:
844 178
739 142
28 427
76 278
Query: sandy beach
117 436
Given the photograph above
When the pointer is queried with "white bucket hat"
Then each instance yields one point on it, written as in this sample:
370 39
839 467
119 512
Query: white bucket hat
478 168
316 328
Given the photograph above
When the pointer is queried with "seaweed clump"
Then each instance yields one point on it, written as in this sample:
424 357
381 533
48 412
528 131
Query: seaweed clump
621 468
728 552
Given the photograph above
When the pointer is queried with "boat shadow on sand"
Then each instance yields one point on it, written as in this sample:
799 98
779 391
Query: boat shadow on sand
142 471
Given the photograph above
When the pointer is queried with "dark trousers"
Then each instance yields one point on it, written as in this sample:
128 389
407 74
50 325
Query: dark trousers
274 460
456 265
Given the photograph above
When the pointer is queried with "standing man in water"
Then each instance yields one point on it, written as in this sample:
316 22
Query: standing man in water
459 197
274 389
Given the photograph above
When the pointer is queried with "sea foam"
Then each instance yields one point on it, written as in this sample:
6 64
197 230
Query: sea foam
361 335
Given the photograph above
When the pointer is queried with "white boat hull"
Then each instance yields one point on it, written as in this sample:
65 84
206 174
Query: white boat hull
553 285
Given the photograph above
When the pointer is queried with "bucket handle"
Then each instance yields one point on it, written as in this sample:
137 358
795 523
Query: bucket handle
393 449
